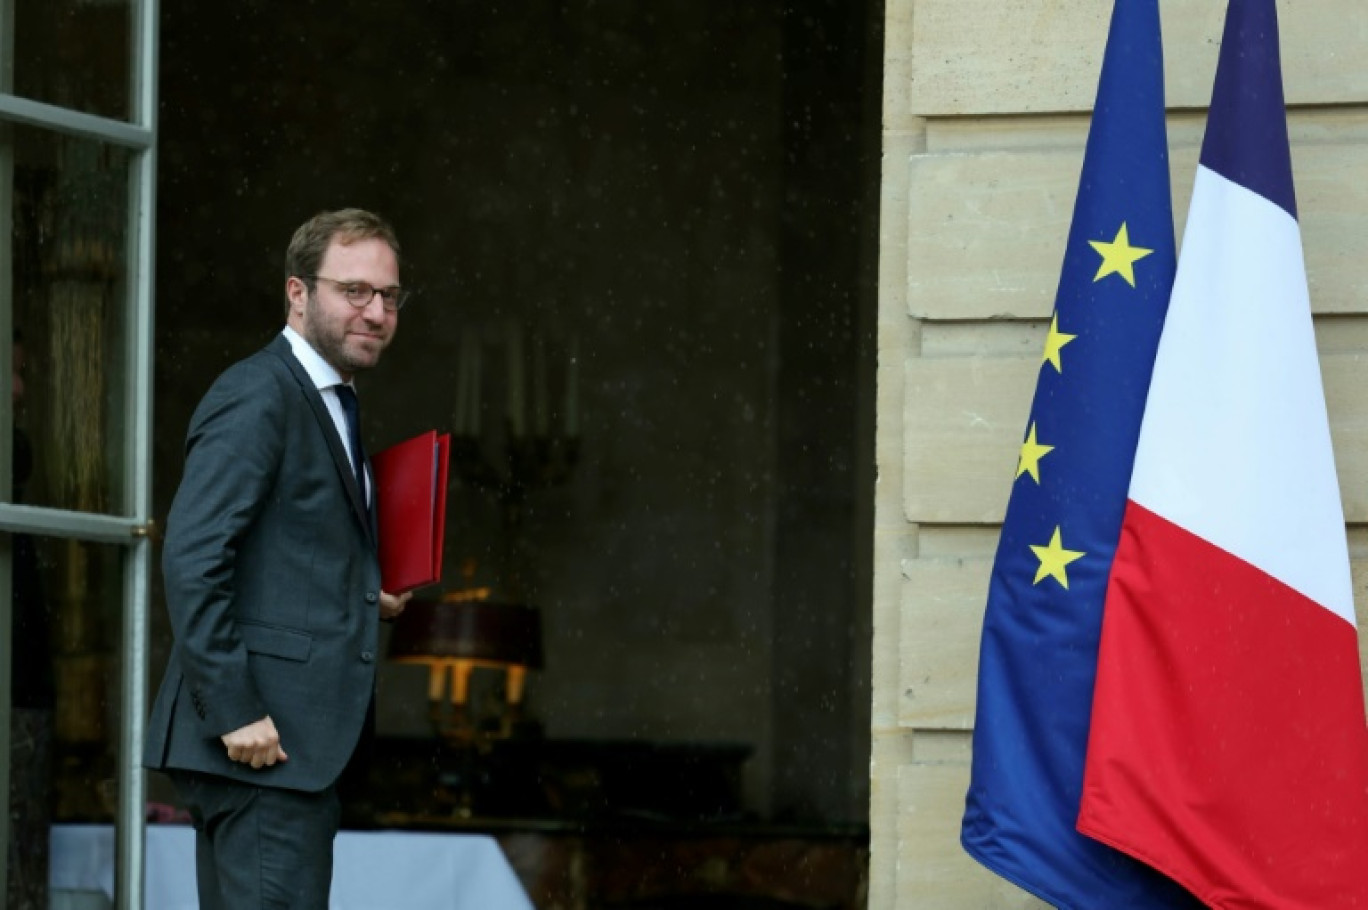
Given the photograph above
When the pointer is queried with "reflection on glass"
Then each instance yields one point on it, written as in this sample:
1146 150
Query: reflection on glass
70 219
74 54
64 730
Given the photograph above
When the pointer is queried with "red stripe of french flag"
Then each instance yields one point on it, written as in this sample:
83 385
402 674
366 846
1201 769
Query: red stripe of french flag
1225 742
1228 746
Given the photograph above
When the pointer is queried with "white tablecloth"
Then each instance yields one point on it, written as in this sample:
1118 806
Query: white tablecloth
372 870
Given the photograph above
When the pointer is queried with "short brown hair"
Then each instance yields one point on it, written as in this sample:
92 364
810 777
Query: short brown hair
310 242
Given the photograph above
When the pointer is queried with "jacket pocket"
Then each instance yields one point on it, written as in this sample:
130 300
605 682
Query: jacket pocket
275 641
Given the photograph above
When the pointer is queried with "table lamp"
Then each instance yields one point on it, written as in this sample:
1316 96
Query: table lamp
455 636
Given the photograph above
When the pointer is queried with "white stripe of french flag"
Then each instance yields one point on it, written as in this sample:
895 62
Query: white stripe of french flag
1228 746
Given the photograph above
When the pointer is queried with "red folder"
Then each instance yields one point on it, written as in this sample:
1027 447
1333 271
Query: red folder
411 488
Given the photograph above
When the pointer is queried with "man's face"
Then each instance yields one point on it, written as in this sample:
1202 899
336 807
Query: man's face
348 337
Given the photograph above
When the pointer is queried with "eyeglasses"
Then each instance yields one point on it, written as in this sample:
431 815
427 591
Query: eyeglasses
359 293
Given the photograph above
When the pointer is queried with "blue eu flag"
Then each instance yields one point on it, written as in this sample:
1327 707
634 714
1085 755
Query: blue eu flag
1038 656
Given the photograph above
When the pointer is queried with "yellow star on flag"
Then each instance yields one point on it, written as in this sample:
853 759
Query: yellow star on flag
1053 559
1118 256
1031 453
1054 343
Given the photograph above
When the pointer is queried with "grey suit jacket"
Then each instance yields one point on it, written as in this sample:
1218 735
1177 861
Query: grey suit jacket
272 583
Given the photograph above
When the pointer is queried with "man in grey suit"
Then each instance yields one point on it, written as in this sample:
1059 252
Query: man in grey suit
273 580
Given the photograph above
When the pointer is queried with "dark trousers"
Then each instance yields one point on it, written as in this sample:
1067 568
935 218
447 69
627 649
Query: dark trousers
260 847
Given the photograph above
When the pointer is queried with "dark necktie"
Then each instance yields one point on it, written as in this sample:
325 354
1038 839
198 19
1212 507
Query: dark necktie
351 409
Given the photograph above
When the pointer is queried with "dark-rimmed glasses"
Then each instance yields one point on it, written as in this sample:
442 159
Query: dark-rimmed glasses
359 293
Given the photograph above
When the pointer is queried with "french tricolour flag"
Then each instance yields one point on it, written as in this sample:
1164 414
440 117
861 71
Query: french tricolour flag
1228 746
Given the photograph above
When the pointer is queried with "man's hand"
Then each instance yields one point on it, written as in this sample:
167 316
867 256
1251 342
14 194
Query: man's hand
257 744
391 605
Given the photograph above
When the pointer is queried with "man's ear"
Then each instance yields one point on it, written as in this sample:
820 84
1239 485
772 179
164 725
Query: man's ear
297 292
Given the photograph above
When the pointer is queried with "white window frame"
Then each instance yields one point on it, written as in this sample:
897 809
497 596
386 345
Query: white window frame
132 527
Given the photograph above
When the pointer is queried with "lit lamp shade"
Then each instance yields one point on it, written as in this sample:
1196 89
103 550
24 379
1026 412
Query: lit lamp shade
461 635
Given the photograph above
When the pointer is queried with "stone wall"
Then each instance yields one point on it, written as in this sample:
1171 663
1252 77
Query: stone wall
984 123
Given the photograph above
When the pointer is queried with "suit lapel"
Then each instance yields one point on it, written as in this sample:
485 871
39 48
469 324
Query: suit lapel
281 348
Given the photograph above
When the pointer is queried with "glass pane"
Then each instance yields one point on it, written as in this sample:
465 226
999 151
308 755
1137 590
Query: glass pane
70 220
65 683
74 54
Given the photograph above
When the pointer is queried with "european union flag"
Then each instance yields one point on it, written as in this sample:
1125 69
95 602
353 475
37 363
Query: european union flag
1038 656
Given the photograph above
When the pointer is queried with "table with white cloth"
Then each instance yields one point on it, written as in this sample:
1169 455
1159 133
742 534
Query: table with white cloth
372 870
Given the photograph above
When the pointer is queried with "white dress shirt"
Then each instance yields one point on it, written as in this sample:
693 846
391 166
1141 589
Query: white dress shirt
326 379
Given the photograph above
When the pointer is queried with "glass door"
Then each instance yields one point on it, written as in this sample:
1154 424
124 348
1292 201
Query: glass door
77 202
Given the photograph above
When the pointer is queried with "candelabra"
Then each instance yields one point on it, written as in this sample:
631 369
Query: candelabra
540 441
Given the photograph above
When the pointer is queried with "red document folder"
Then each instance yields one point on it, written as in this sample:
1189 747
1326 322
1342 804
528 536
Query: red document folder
411 488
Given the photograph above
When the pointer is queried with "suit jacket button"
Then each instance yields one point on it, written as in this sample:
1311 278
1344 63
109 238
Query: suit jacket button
371 598
368 656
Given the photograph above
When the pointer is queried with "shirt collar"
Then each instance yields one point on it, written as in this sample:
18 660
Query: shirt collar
323 374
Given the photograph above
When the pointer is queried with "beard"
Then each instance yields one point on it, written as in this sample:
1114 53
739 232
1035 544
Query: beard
329 339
